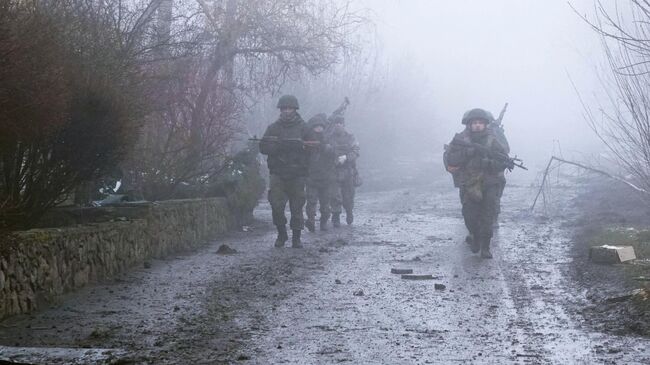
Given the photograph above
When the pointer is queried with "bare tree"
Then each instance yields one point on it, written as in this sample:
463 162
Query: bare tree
624 124
240 51
71 97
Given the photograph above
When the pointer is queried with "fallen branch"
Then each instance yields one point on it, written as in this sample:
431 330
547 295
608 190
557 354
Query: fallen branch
528 355
598 171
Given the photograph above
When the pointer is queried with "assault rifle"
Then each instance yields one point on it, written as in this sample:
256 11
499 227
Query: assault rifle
339 112
498 121
497 129
509 162
289 140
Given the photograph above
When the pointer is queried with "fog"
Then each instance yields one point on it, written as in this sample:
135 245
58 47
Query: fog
486 53
141 223
424 63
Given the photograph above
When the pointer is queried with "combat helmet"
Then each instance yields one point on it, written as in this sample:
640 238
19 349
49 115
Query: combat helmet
319 119
288 101
477 113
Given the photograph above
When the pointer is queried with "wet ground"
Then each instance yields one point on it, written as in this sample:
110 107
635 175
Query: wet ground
336 301
611 213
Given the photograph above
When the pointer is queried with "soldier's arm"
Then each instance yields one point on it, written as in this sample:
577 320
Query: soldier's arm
327 149
457 156
353 153
269 144
295 145
500 163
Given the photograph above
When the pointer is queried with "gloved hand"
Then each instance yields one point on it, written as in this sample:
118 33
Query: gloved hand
341 160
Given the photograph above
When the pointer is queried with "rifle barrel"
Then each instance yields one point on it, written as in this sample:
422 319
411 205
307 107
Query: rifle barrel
514 161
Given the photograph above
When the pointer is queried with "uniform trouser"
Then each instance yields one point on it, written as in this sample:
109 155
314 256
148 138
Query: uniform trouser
318 193
283 190
343 196
501 187
479 215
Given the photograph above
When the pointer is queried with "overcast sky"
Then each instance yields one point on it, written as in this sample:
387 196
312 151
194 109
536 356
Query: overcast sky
482 53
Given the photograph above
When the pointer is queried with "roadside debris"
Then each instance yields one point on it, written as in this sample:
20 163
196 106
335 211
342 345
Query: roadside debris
225 250
611 254
401 271
438 286
338 243
419 277
358 293
641 294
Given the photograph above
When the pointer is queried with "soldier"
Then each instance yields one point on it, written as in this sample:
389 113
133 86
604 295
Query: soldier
283 143
321 176
478 176
347 152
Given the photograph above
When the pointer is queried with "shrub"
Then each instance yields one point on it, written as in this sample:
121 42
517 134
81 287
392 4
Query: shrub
68 104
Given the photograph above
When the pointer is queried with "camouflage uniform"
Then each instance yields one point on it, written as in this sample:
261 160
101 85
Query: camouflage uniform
479 179
321 176
343 193
499 133
287 161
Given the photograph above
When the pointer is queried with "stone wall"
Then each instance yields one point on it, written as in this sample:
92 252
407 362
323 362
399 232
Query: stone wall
39 265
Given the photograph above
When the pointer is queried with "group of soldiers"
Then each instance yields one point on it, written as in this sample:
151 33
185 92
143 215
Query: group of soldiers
312 162
477 159
315 163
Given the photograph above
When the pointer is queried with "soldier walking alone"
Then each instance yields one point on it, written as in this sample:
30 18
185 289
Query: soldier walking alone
347 152
284 144
479 175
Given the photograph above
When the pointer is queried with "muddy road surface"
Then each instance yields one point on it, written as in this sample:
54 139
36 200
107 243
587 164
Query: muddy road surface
336 301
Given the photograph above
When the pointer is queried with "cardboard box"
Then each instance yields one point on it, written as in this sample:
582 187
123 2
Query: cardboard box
607 254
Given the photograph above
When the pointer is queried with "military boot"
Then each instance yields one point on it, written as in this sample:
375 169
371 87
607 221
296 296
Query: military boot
475 245
323 224
485 250
336 220
349 218
469 239
310 224
295 239
282 236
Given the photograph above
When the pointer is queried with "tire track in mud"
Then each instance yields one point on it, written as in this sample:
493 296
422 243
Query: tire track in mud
452 330
264 305
507 310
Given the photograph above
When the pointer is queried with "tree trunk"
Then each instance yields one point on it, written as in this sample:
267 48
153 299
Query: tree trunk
222 56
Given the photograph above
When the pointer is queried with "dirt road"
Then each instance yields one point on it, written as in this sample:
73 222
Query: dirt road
336 301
